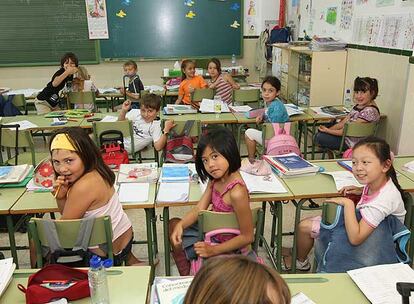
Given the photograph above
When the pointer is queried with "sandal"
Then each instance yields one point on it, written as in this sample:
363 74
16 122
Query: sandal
302 266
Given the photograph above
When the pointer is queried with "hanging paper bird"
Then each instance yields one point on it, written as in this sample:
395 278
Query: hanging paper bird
235 24
121 14
235 6
190 15
188 2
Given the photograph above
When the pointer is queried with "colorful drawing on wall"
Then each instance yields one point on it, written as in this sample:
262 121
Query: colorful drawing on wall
346 14
251 11
331 13
381 3
96 16
408 33
235 24
251 26
235 7
190 15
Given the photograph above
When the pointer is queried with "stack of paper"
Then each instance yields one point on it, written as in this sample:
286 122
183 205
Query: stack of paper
319 111
109 118
326 44
173 192
240 109
179 109
138 173
290 165
293 109
133 192
14 174
24 124
409 167
174 174
262 184
378 283
343 179
7 268
209 106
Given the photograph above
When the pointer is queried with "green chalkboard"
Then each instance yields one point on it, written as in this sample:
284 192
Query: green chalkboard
39 32
160 29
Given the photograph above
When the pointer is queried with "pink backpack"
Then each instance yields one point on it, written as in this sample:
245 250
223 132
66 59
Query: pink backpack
282 142
198 263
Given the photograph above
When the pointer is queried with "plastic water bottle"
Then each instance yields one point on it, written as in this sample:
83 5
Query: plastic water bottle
98 283
233 60
348 99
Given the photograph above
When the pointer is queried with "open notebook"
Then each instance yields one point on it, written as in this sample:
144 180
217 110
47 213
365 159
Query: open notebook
7 268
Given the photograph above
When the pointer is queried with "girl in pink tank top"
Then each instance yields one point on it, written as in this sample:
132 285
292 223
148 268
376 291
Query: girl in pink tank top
218 161
84 188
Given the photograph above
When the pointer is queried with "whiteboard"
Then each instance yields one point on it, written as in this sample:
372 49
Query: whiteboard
383 23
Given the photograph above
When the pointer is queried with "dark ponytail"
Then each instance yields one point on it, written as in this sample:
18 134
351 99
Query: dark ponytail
382 150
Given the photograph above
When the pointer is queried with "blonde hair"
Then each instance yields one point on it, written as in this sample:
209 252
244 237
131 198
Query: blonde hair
228 280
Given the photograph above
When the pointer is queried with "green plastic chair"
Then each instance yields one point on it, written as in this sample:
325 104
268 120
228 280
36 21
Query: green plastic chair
67 231
246 96
353 129
19 101
210 220
198 94
11 138
81 98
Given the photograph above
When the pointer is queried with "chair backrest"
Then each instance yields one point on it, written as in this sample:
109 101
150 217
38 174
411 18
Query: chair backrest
210 220
67 231
202 63
246 96
358 129
13 138
124 126
199 94
268 131
19 101
81 98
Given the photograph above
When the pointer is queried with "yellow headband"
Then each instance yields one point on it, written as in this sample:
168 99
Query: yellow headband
61 141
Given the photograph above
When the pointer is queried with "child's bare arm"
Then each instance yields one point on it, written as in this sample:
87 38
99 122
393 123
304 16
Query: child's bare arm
132 95
179 99
160 143
79 200
58 79
230 80
125 108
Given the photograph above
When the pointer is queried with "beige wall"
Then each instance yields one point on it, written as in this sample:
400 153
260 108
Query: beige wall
109 74
391 72
406 143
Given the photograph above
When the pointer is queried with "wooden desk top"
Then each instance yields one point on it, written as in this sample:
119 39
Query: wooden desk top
41 122
126 285
8 197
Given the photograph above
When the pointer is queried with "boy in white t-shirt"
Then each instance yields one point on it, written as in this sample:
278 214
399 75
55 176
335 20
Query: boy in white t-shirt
146 128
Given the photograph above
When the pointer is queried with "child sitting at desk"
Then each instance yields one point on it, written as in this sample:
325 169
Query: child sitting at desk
146 128
189 82
48 99
135 86
365 110
222 83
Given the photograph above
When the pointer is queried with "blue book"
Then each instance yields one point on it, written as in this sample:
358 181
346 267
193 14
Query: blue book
5 171
293 162
175 174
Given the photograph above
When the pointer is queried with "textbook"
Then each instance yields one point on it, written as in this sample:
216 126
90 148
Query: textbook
138 173
262 184
291 165
333 111
174 174
209 106
347 164
343 179
169 290
293 109
173 192
179 109
14 174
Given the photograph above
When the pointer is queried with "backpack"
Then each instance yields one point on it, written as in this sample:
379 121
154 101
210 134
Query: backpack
7 108
179 148
112 148
277 35
209 238
282 142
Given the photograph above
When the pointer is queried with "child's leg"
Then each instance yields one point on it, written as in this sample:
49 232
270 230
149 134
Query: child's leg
252 137
305 238
178 253
328 141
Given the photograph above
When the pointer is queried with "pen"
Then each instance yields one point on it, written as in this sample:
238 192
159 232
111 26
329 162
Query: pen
69 119
57 191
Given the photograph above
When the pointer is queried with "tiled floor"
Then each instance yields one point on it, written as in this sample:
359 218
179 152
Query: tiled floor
138 219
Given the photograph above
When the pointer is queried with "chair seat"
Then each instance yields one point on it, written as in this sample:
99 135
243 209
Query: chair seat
26 158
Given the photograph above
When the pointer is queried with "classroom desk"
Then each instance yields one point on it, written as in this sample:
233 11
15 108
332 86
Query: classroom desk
126 285
41 122
322 186
8 196
326 288
44 202
399 162
195 194
88 124
204 118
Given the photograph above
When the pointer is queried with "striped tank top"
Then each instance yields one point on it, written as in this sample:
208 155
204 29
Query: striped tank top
224 89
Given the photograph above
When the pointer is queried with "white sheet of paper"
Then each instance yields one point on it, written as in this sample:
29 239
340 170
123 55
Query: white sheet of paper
25 92
207 106
262 184
378 283
240 109
109 118
343 178
24 124
6 271
301 298
173 192
133 192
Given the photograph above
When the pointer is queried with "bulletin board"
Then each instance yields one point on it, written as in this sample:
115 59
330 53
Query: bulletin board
382 23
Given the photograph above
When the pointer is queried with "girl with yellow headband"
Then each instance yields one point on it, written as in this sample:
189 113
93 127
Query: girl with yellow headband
84 188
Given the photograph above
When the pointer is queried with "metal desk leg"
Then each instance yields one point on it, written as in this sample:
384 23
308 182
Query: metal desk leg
305 140
148 219
274 220
166 219
12 240
263 223
313 139
154 231
278 247
297 220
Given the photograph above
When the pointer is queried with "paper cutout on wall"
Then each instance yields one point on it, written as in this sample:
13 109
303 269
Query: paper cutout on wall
190 15
331 15
121 14
235 24
381 3
126 2
235 7
188 2
251 11
346 14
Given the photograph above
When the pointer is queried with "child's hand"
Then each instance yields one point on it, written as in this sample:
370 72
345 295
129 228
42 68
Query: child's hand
126 105
259 119
351 190
190 88
169 124
71 70
122 90
204 250
323 129
176 235
340 201
61 187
